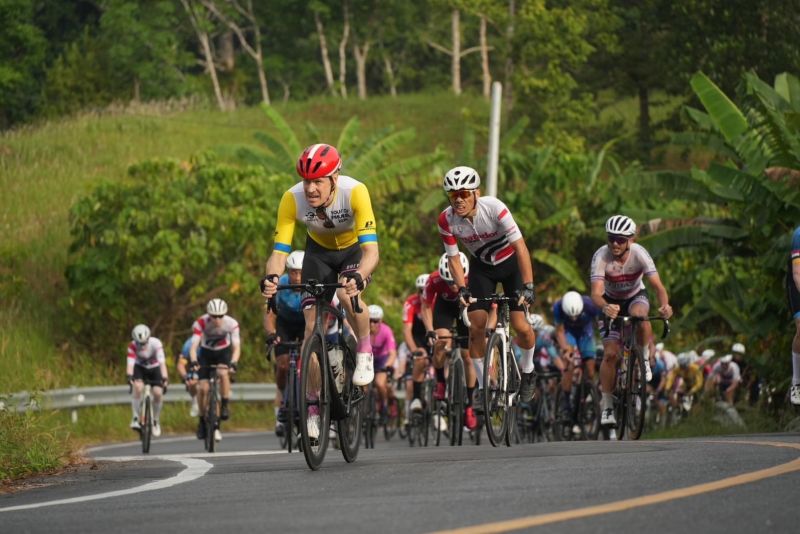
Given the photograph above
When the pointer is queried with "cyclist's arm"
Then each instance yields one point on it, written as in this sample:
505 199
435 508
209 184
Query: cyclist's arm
523 260
364 220
284 231
697 375
796 272
181 367
561 337
456 270
131 361
427 315
237 346
270 321
598 290
194 347
162 361
392 358
670 379
661 292
408 337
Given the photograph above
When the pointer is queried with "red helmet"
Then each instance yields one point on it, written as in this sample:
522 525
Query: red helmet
318 161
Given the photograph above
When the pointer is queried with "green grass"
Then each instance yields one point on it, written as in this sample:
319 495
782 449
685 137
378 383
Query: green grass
31 443
701 423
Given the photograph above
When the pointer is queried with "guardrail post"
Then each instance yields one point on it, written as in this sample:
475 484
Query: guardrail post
78 398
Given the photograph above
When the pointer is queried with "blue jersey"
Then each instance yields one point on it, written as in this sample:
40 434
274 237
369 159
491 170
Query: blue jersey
187 346
287 303
583 324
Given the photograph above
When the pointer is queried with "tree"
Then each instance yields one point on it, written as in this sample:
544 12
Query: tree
455 52
200 19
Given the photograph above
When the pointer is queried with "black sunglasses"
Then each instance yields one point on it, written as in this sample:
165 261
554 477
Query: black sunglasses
322 216
374 320
217 316
618 239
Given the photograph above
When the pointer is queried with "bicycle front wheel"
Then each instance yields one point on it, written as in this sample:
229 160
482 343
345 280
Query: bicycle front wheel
495 398
637 393
211 418
291 393
350 428
456 402
314 402
147 426
589 410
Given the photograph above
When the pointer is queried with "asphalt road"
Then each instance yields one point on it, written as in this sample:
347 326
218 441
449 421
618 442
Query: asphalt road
725 485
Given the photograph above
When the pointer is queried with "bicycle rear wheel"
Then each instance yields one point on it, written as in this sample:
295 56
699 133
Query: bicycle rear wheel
147 426
456 402
370 427
589 410
211 418
392 423
636 394
427 429
562 423
314 402
291 395
495 398
349 429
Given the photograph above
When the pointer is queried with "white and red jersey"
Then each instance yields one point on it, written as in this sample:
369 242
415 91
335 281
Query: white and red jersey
623 279
215 337
149 355
437 287
488 236
412 309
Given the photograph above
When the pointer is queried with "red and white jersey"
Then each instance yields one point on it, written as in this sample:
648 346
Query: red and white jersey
149 355
623 279
436 287
215 337
412 309
488 236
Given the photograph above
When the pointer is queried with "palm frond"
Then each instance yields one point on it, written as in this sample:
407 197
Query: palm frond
279 152
513 134
348 137
285 132
375 156
563 266
788 87
728 119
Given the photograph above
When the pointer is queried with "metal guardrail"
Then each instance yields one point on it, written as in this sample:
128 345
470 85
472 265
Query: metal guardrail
74 398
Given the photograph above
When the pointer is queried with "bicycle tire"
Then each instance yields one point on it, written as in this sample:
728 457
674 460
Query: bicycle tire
370 428
589 410
147 427
349 429
314 391
427 422
456 402
620 400
392 423
637 394
495 408
562 428
288 429
211 418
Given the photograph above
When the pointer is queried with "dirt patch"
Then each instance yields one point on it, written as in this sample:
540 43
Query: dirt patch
49 478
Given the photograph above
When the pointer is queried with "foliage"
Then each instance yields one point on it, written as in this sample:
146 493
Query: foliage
29 443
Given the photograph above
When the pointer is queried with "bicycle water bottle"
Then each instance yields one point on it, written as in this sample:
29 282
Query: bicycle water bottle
336 356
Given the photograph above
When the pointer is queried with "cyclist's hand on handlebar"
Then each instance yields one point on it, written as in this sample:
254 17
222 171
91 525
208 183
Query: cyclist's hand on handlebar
164 384
269 285
464 296
129 379
665 311
527 295
232 367
389 370
431 336
611 310
194 365
354 283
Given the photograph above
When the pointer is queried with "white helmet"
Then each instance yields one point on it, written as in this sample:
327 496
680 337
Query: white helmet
140 334
659 347
684 359
572 303
536 320
444 267
375 312
461 178
217 307
295 260
738 347
728 358
422 280
620 225
708 353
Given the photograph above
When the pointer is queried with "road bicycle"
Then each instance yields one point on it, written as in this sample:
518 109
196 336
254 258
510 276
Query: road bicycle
391 421
630 384
583 402
453 406
535 420
212 408
145 416
501 375
291 432
326 390
370 418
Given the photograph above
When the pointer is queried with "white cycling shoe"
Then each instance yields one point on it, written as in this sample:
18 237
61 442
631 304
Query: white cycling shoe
608 418
194 411
312 425
794 396
415 406
365 372
648 373
156 429
135 424
217 435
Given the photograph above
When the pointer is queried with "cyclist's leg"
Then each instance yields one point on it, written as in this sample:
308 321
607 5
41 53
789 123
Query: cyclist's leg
136 397
155 380
588 351
224 358
639 306
444 313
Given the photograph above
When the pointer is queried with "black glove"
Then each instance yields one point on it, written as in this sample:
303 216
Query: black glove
271 339
129 379
355 275
271 277
233 366
194 365
464 294
430 335
389 370
164 384
528 293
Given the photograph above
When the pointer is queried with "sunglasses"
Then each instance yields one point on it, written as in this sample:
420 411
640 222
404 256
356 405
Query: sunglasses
462 193
217 316
322 216
618 239
374 320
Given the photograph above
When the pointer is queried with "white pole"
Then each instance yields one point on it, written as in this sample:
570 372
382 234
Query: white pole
494 140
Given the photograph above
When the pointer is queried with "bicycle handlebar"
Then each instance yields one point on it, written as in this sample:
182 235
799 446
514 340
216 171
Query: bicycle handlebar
316 289
493 298
625 319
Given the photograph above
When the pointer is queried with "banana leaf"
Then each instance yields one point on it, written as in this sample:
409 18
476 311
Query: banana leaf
728 119
565 267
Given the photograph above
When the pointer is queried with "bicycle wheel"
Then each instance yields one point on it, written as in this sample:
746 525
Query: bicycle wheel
427 423
211 417
456 402
288 429
147 426
349 429
589 409
562 423
637 394
314 402
392 423
495 398
370 427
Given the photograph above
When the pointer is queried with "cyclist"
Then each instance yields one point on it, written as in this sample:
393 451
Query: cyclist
486 228
146 363
440 309
188 376
284 321
414 337
618 268
215 341
669 358
574 317
691 379
384 348
793 292
725 375
342 244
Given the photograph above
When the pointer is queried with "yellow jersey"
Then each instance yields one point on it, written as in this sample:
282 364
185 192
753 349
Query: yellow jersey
692 374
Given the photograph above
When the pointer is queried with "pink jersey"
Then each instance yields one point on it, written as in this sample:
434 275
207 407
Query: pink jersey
383 341
149 355
488 236
215 337
623 279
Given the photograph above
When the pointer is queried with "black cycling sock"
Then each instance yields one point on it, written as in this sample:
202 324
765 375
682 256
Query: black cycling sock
417 390
440 375
470 392
225 402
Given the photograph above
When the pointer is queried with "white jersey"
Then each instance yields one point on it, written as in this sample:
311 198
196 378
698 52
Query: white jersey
215 337
623 279
670 360
487 237
731 374
149 355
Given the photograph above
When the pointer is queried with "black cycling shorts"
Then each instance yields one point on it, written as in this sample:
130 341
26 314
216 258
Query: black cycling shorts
418 333
325 265
150 376
444 313
288 331
208 357
624 309
483 280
